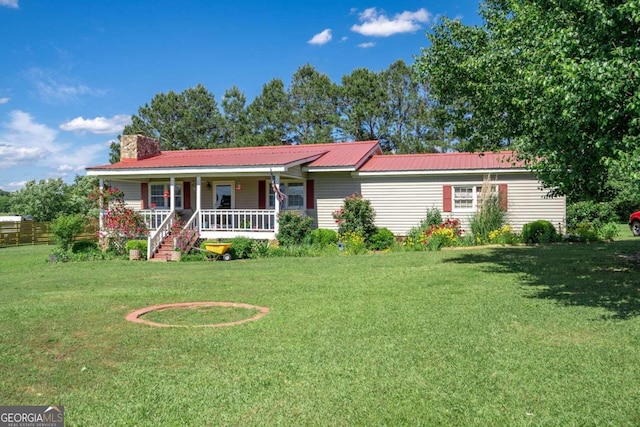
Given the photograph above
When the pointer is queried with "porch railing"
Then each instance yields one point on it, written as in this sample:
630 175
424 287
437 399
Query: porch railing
154 217
238 220
157 236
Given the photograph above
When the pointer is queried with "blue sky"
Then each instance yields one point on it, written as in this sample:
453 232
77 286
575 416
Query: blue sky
74 71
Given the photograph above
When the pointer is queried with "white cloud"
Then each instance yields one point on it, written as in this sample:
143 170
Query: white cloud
11 155
52 87
321 38
26 143
98 125
4 100
9 3
13 186
377 24
367 45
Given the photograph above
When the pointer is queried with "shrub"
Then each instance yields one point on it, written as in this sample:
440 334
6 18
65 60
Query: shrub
84 246
381 240
592 232
354 243
434 217
60 255
261 248
356 216
293 228
609 231
322 237
65 228
122 224
585 232
435 236
445 234
139 244
540 231
504 236
241 247
590 212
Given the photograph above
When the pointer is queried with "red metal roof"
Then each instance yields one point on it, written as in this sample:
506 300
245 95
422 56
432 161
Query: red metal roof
348 154
441 162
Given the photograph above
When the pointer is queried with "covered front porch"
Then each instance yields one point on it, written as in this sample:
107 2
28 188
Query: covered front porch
216 207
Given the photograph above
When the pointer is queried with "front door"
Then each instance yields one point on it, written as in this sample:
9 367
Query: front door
224 200
224 196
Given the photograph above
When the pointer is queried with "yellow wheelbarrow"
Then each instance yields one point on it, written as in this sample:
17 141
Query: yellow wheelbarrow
218 250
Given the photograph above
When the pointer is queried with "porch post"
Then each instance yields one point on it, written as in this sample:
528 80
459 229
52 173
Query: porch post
198 193
101 203
276 205
172 200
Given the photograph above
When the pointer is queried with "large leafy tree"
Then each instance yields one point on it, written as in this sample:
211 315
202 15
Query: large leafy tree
44 200
5 202
235 129
362 105
391 106
408 121
77 196
180 121
557 80
314 106
269 114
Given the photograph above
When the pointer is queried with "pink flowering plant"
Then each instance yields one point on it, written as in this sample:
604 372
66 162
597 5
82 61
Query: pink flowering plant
120 223
104 197
183 237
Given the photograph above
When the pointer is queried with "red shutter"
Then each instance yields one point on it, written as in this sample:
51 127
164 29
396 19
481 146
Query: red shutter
144 195
446 198
310 195
262 194
186 193
503 197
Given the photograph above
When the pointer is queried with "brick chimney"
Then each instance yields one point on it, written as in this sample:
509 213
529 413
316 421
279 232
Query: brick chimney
138 147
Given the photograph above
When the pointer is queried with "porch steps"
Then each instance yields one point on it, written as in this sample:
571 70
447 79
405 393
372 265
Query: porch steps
163 254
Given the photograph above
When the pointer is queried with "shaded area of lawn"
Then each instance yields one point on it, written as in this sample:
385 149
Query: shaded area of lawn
418 338
602 275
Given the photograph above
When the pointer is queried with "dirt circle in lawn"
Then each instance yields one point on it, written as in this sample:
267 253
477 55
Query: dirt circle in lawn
197 314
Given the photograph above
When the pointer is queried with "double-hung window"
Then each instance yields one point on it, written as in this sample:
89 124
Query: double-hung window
467 198
295 195
157 195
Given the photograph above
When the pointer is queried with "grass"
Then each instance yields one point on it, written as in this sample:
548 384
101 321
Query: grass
193 316
536 335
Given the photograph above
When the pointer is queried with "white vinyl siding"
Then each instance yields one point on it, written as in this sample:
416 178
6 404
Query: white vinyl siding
402 202
330 190
132 193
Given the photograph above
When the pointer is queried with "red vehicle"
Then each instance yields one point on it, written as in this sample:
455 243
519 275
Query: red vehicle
634 223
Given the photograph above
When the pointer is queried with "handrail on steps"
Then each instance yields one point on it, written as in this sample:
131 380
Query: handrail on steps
193 224
155 239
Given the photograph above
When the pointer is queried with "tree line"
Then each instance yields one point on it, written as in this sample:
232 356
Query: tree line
391 106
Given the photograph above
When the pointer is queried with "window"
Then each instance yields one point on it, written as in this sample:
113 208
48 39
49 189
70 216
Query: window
294 192
467 198
463 198
159 201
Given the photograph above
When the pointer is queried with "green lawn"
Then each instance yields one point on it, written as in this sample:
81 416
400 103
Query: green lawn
546 335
